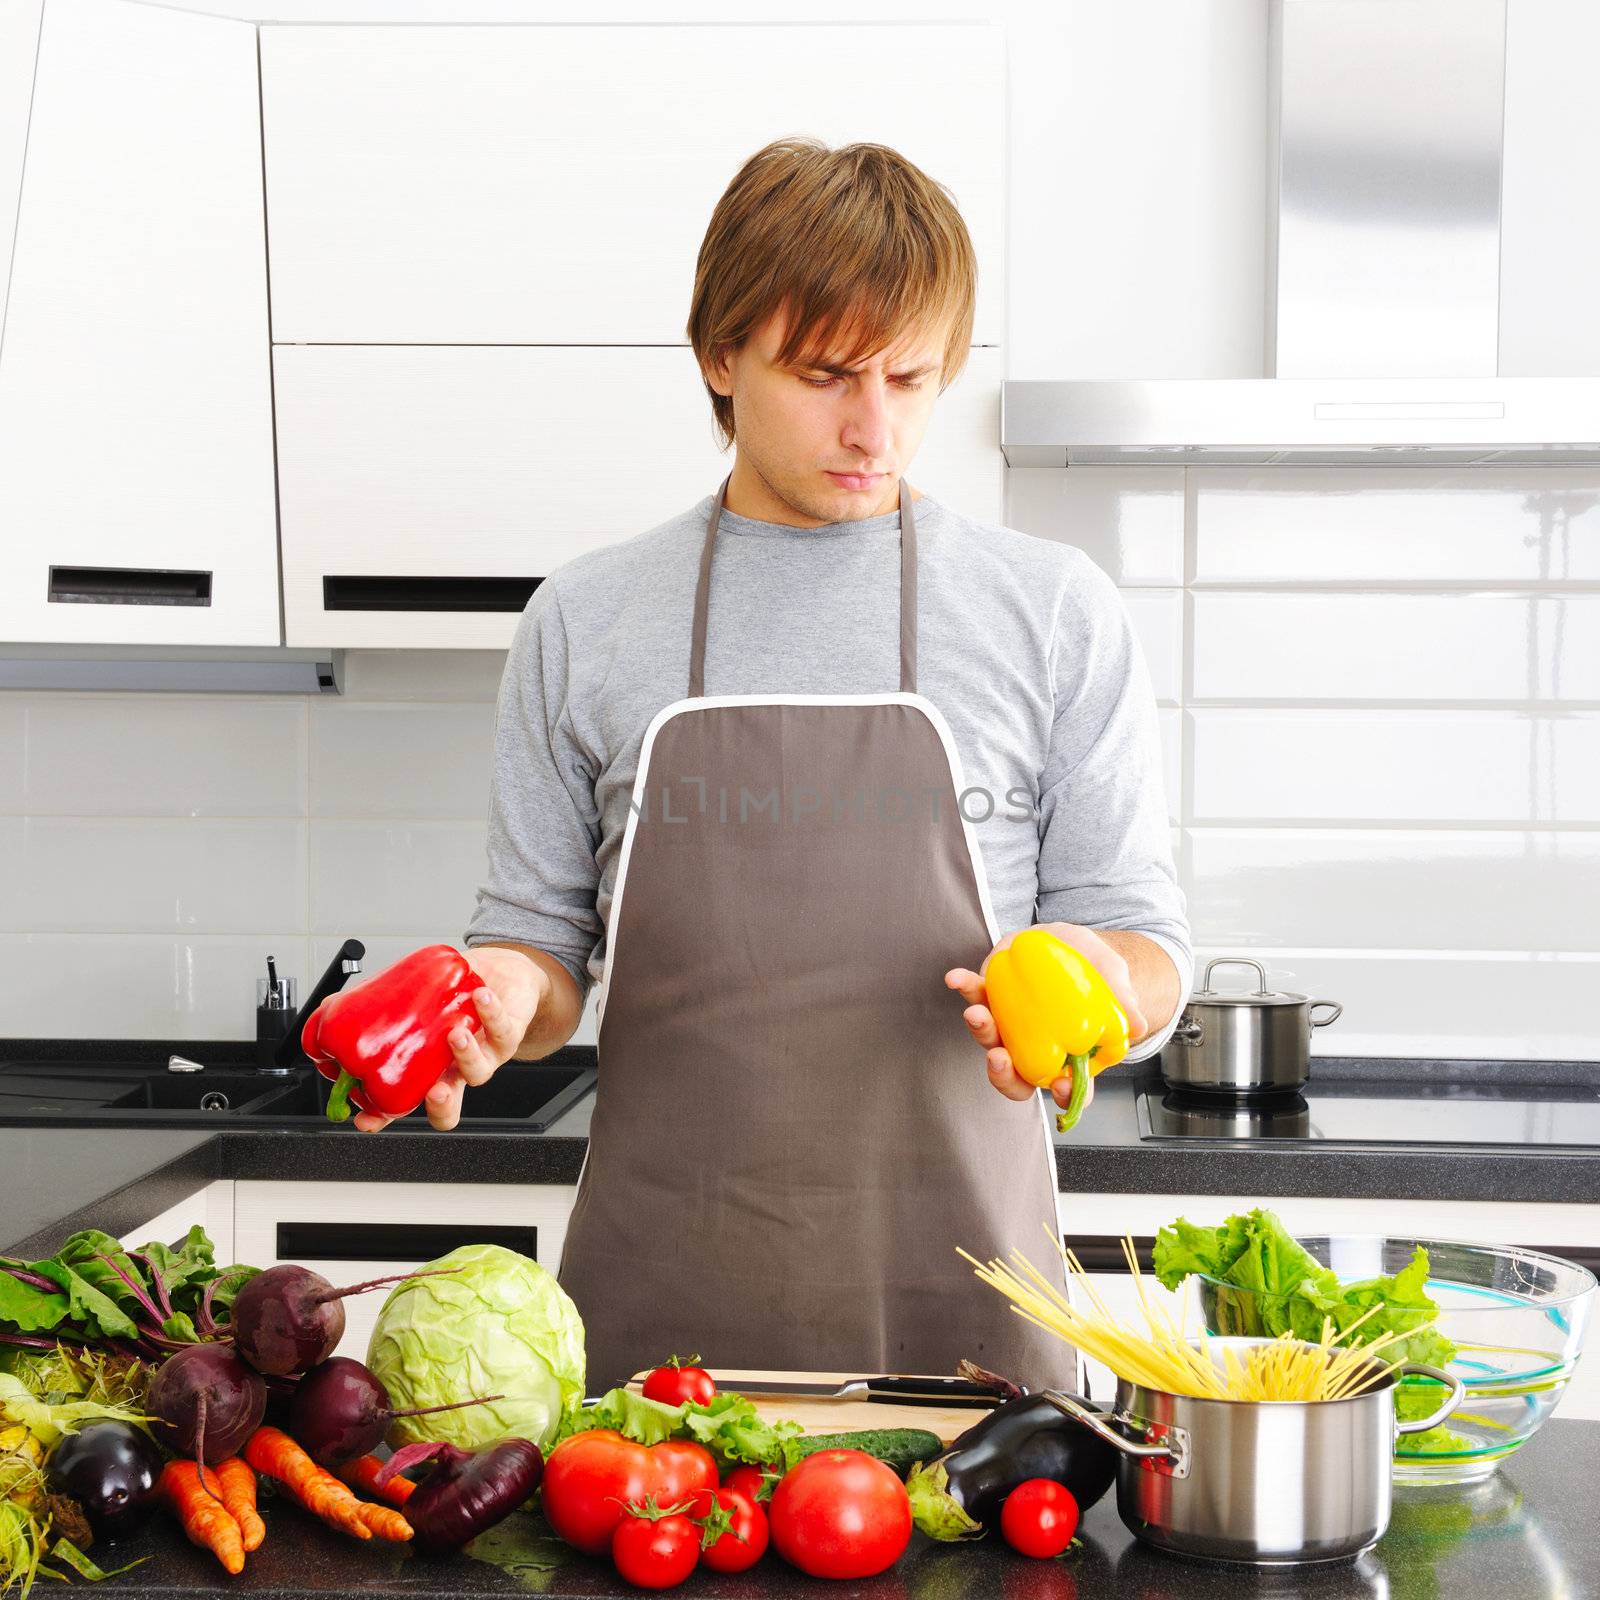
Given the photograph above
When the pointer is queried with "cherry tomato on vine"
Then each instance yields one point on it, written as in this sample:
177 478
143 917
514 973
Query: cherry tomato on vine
736 1526
678 1381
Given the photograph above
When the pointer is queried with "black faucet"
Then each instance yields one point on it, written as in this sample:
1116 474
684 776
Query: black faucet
347 961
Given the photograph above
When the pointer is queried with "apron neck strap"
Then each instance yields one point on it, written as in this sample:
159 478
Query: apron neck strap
908 595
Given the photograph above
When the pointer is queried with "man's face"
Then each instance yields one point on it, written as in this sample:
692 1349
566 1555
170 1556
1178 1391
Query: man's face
805 436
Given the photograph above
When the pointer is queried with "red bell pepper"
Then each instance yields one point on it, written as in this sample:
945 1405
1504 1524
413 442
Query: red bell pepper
387 1042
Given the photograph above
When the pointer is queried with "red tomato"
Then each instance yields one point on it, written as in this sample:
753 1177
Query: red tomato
1039 1517
673 1384
756 1482
743 1540
587 1481
840 1514
681 1467
655 1552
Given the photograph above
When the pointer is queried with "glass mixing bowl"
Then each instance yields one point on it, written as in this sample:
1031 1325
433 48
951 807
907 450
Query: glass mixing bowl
1516 1317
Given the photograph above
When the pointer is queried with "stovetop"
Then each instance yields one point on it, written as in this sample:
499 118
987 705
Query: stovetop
1380 1111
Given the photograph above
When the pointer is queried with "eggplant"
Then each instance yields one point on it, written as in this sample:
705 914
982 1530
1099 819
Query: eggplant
466 1492
958 1495
113 1471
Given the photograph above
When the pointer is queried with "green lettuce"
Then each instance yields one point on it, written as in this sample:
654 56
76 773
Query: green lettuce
1258 1282
493 1323
729 1426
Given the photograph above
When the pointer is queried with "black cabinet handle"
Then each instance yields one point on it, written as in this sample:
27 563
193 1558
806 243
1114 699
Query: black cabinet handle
379 592
395 1241
128 586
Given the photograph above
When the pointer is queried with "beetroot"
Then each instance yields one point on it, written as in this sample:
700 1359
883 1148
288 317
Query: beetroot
289 1318
341 1410
205 1402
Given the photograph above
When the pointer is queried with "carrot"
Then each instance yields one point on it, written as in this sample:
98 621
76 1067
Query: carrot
205 1519
362 1473
385 1521
239 1496
272 1451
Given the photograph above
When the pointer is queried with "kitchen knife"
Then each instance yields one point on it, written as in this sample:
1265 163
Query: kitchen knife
896 1389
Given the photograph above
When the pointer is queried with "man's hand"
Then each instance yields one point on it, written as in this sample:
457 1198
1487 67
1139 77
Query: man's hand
515 988
980 1020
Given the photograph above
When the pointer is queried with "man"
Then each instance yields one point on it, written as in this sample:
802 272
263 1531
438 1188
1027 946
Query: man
781 773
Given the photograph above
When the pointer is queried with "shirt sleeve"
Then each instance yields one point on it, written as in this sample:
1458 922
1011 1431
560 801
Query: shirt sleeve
544 827
1105 848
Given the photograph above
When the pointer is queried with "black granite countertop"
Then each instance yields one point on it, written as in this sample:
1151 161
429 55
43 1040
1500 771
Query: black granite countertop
1525 1534
64 1176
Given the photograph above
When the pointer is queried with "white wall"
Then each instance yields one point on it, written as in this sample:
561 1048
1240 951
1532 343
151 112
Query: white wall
1379 689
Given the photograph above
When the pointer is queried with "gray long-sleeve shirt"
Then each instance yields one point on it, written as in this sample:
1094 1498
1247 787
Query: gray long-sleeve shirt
1023 644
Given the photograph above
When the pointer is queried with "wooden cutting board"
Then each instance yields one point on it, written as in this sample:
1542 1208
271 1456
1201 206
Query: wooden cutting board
840 1416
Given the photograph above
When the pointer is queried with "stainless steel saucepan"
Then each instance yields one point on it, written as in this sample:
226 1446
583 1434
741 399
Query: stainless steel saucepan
1272 1482
1233 1041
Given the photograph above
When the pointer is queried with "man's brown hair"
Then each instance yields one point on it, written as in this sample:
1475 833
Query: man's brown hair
855 244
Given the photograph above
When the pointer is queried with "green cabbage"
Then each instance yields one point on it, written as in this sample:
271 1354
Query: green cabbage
499 1324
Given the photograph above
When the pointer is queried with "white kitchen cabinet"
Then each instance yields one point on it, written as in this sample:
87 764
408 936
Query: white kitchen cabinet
136 470
428 463
1109 1216
552 184
369 1230
19 49
211 1207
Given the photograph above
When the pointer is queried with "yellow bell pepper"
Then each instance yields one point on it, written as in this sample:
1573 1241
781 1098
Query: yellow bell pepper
1054 1010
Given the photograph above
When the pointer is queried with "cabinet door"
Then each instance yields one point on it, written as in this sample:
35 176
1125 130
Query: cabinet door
551 185
1092 1223
406 471
351 1232
136 487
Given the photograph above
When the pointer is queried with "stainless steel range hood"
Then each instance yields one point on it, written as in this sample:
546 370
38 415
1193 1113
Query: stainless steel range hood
1386 127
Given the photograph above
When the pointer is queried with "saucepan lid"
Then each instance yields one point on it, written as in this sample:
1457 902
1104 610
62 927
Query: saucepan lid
1260 996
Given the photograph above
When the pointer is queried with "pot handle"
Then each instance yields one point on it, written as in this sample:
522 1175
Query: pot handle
1175 1454
1322 1022
1234 961
1457 1388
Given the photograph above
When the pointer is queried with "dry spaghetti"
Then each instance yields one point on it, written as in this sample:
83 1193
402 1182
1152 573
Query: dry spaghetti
1163 1357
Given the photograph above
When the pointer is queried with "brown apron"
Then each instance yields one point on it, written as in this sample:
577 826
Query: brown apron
793 1129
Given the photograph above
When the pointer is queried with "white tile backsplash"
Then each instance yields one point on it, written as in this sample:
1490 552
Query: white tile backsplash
1306 526
179 755
1129 519
1396 888
1157 617
1393 766
423 674
1379 708
401 759
142 874
1430 647
390 877
140 986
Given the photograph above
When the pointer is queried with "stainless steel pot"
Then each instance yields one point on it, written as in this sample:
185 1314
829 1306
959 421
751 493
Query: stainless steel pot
1275 1483
1238 1042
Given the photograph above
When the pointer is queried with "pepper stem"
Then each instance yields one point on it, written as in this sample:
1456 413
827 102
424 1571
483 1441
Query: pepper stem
1067 1120
339 1096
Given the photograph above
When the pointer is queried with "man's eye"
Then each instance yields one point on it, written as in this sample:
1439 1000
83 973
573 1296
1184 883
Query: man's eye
824 383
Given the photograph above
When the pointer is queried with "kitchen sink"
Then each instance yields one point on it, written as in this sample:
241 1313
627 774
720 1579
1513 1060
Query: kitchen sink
517 1092
526 1096
196 1091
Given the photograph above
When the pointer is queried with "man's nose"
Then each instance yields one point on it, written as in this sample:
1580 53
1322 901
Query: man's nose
866 426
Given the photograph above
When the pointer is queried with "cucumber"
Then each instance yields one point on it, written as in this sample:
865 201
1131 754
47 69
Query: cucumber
900 1448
